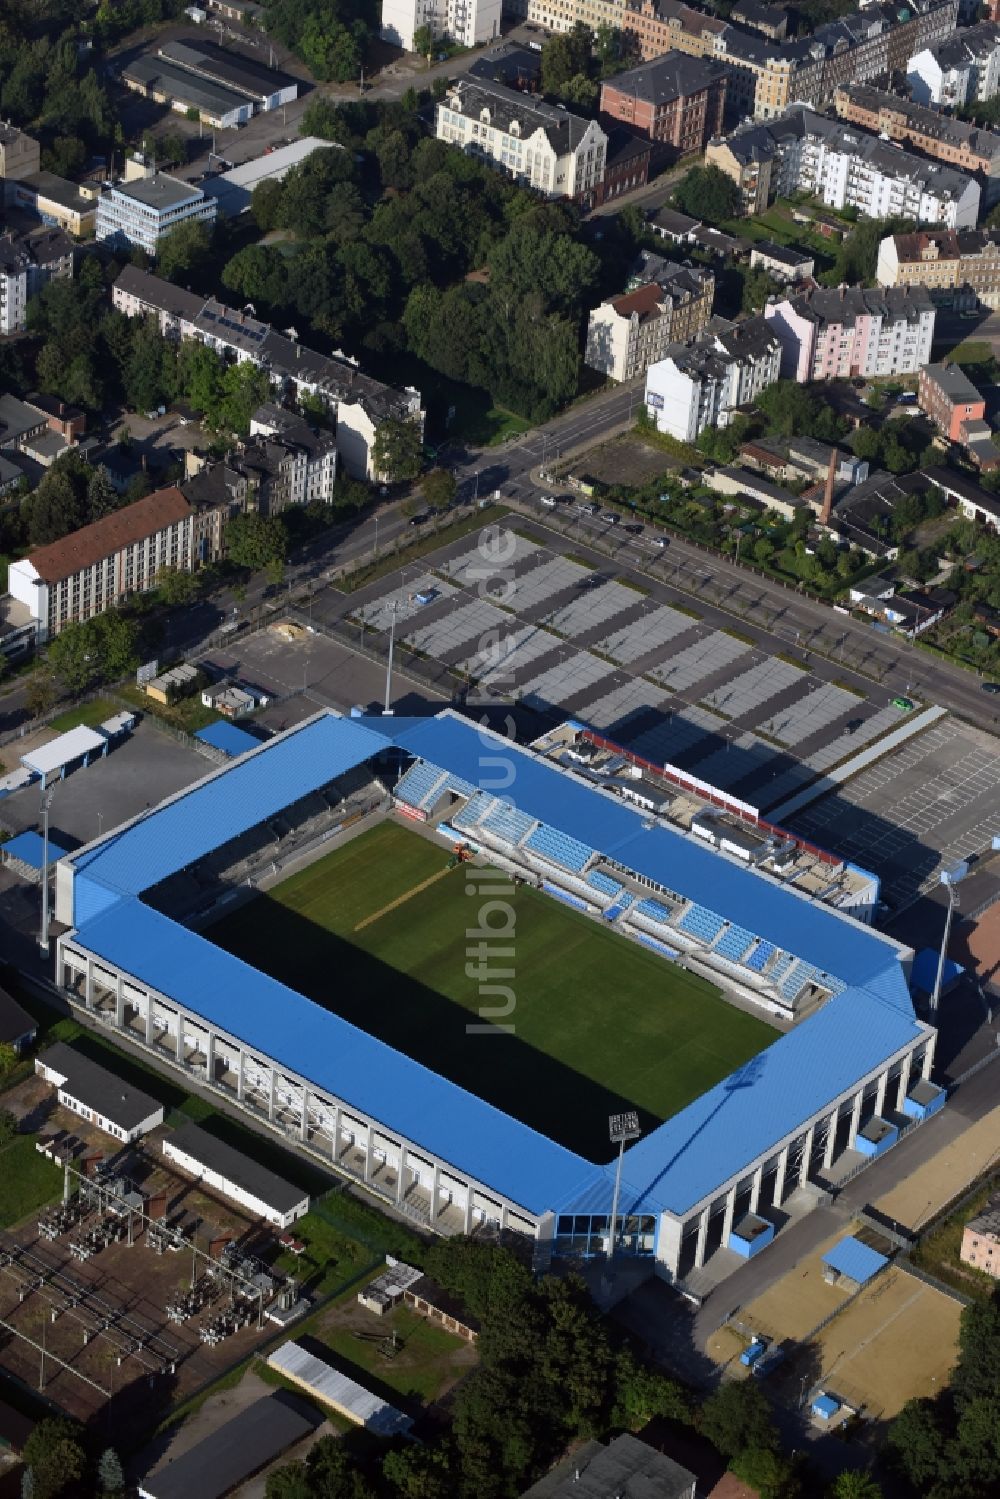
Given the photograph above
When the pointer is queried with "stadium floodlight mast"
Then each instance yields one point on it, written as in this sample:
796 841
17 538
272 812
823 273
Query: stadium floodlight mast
950 879
621 1128
43 935
393 607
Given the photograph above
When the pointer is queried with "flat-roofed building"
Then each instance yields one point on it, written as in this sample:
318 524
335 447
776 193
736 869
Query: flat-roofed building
233 1452
781 262
158 78
98 1095
265 87
20 154
92 569
65 205
142 212
235 1175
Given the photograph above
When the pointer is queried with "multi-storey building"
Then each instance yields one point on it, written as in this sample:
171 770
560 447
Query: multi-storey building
20 154
958 269
676 100
93 569
981 1241
541 146
701 383
468 22
963 68
947 139
947 395
770 20
27 262
361 405
143 209
830 333
846 167
629 333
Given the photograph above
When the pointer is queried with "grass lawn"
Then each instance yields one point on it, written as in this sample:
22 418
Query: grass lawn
424 1364
90 714
331 1258
939 1248
29 1180
599 1022
187 713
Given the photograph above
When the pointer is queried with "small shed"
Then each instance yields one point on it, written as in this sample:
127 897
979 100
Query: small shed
329 1386
25 854
924 1099
229 738
923 975
750 1236
430 1300
852 1264
825 1407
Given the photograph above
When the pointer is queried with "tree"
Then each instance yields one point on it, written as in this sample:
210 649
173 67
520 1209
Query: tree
8 1058
855 1485
564 57
265 204
866 443
244 387
110 1474
917 1442
770 1474
423 42
176 587
707 193
736 1416
99 649
40 694
102 497
184 251
8 1126
55 1455
397 449
977 1373
252 541
438 488
289 1482
788 408
758 285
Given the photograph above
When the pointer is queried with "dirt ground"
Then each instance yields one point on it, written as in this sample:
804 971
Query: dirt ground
627 460
787 1311
898 1340
922 1194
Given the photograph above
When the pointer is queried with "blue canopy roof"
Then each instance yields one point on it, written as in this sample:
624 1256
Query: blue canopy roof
923 975
29 849
229 738
855 1260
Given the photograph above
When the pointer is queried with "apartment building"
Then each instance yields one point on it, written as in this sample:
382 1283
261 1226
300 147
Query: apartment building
830 333
27 263
947 395
141 211
20 154
981 1241
959 269
701 383
467 22
947 139
629 333
846 167
770 20
361 405
551 150
95 568
676 101
963 68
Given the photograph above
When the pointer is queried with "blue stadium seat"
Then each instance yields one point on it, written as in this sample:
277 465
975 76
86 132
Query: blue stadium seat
762 954
625 900
653 911
781 967
458 787
419 783
559 848
507 823
604 883
797 975
470 814
733 943
699 921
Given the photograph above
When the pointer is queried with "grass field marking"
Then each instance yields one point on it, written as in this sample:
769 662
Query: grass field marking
402 899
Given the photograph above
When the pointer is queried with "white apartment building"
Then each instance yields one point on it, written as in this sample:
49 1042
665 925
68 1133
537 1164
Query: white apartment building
468 22
700 384
144 208
93 569
360 403
627 334
541 146
27 262
963 69
300 464
834 333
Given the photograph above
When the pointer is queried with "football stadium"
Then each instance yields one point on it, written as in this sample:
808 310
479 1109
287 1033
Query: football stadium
482 950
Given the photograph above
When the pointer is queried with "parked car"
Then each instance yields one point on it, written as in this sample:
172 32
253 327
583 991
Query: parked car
421 519
993 687
549 501
903 704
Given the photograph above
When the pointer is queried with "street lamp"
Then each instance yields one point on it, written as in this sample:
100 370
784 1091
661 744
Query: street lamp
621 1127
43 936
950 879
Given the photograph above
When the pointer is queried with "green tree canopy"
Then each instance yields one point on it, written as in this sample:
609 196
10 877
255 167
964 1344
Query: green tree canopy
101 649
397 450
255 541
737 1417
707 193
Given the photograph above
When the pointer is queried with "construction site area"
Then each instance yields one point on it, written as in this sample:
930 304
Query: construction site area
133 1286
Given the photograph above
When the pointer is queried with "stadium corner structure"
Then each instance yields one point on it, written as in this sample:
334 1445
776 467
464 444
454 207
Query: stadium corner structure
743 1147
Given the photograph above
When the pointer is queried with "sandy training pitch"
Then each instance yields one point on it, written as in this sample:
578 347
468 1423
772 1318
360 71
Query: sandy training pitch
922 1195
898 1340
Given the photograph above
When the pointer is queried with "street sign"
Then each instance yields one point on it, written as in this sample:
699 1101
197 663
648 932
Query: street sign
624 1127
146 673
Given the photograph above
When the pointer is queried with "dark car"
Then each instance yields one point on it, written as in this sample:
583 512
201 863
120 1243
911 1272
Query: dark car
420 520
993 687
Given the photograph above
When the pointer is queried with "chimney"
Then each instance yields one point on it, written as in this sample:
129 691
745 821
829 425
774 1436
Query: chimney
831 474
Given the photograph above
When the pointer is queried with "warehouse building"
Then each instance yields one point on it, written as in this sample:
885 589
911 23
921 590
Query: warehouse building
234 1452
155 78
233 190
265 87
97 1095
455 1160
235 1176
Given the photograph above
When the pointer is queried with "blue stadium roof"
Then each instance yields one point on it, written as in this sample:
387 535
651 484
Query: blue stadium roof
229 738
855 1260
676 1166
400 1094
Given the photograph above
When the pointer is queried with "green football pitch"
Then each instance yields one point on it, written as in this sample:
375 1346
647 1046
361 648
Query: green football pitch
379 932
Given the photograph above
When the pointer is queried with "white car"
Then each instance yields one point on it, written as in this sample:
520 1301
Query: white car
549 501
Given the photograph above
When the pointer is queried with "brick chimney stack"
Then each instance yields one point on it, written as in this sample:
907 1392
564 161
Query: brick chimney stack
831 475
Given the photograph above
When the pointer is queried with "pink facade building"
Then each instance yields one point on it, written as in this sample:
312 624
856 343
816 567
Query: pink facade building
836 332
